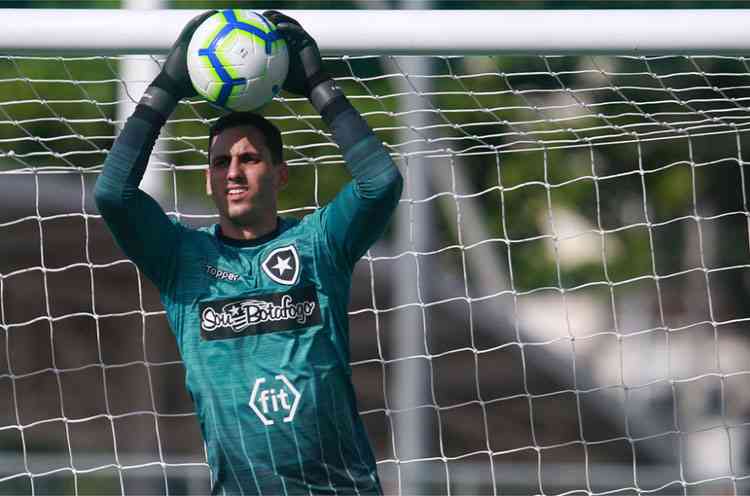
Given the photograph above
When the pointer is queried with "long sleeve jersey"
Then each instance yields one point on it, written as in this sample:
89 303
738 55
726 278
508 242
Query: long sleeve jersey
262 326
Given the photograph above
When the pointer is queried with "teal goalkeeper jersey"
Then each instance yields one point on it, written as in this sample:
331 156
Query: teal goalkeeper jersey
262 326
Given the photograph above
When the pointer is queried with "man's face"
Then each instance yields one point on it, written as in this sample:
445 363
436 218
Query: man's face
242 178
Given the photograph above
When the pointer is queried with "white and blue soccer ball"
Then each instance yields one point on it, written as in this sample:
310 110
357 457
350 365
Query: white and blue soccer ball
237 60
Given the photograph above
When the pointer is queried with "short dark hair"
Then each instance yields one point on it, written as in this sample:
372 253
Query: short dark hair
236 119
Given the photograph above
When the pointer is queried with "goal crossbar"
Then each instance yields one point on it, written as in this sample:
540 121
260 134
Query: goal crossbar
414 32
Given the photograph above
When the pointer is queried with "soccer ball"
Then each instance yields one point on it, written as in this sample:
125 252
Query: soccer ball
237 60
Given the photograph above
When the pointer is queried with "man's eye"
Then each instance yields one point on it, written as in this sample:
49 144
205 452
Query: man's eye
220 163
247 158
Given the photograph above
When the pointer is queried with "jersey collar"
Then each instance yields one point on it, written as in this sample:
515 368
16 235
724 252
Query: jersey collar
244 243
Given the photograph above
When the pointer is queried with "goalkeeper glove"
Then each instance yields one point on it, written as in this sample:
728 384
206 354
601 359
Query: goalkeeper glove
305 63
173 82
306 74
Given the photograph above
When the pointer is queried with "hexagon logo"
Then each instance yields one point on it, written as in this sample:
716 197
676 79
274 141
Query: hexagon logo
273 401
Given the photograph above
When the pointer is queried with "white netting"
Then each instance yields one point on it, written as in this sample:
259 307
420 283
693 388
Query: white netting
559 306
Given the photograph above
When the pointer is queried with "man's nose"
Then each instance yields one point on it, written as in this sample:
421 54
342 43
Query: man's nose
234 170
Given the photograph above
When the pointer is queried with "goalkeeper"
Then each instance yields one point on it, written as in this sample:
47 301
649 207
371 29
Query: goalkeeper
258 303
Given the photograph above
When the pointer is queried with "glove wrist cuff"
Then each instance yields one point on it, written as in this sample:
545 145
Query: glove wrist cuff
160 96
323 93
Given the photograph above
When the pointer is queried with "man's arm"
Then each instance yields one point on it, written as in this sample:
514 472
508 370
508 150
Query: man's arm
358 215
138 224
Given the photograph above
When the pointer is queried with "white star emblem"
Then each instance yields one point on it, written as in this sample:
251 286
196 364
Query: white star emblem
282 265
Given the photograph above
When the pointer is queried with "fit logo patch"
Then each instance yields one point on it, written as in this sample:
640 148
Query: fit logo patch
282 265
260 314
274 400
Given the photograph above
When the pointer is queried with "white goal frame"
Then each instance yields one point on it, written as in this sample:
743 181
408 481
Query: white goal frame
407 32
404 32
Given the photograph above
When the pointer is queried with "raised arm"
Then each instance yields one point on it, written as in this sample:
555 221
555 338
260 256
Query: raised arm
358 215
137 222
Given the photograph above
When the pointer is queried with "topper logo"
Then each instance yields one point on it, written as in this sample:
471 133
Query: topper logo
221 274
271 401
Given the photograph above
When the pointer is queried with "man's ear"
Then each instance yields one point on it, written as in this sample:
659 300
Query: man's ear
208 181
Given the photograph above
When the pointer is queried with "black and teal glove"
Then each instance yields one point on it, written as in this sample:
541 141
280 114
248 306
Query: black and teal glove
306 73
173 82
305 63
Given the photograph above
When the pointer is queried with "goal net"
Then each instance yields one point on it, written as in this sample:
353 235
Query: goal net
559 306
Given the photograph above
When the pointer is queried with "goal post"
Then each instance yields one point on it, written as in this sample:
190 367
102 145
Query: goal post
405 32
560 304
